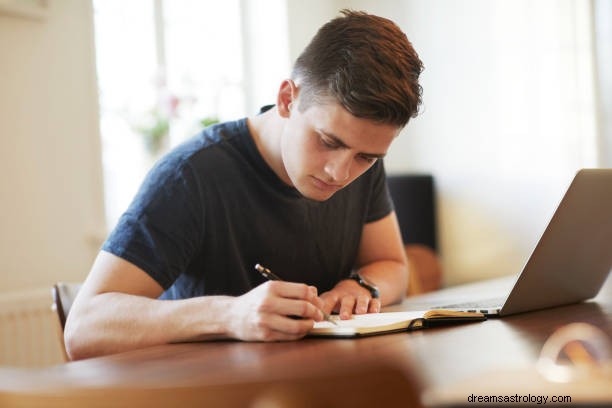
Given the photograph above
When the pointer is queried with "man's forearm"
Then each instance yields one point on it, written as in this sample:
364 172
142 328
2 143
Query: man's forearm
391 278
114 322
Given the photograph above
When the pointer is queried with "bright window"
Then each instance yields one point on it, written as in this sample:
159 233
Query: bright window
162 65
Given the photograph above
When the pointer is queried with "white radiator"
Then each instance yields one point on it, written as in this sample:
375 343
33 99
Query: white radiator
29 330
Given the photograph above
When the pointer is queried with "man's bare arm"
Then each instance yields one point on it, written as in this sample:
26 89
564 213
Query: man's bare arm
382 261
117 310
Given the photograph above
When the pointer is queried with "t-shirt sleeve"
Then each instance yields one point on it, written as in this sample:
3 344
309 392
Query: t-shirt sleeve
163 227
380 204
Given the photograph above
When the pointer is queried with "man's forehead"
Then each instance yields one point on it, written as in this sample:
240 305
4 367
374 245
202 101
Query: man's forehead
332 118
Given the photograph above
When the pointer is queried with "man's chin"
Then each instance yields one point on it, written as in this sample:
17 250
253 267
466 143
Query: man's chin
314 189
316 194
320 197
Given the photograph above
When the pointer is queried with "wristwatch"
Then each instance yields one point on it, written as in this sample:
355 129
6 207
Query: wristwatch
366 284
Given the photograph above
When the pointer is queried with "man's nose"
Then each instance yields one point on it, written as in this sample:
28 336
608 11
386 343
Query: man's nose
339 166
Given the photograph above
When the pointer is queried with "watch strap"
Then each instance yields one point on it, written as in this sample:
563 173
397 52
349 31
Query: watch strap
364 283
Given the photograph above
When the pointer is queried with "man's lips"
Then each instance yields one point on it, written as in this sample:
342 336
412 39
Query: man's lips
325 186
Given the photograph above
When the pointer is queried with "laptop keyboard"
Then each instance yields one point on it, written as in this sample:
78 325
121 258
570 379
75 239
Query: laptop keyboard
481 304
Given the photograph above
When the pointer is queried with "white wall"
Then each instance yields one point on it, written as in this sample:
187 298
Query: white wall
508 117
266 53
51 205
602 16
304 19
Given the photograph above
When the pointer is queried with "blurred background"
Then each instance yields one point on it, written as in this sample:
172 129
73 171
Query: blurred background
517 98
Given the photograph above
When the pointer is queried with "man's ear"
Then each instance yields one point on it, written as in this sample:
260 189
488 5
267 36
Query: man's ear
287 95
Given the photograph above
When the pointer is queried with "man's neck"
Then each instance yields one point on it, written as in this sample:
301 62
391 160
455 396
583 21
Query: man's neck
266 130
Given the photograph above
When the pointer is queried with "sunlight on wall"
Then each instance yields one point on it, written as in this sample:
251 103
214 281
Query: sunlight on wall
508 118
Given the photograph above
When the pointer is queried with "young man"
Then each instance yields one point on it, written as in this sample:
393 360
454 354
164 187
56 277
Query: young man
299 188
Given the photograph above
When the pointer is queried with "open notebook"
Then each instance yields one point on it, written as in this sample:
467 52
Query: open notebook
390 322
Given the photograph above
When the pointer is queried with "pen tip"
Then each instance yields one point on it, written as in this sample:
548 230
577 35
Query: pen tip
259 267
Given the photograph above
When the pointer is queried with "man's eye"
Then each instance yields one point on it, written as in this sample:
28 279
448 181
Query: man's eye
327 143
368 159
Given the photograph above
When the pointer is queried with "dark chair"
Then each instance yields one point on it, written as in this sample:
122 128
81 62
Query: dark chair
63 295
415 205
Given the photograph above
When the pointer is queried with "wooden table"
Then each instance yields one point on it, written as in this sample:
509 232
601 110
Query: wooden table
440 357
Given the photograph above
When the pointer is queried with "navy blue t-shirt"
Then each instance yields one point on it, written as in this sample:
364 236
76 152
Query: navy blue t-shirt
212 208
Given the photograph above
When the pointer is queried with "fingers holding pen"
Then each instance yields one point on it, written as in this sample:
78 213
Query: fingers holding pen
298 291
275 310
290 290
275 327
308 293
304 308
278 310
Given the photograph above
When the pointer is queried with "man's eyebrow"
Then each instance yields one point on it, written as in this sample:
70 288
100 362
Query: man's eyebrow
343 145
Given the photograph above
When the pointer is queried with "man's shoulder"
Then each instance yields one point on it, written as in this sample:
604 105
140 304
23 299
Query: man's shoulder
206 153
218 136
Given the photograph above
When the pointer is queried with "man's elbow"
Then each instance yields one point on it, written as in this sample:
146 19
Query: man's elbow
75 340
74 348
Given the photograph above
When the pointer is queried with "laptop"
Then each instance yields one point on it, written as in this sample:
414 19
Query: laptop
572 259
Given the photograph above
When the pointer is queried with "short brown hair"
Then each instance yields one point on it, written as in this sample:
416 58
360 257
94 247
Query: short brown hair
365 63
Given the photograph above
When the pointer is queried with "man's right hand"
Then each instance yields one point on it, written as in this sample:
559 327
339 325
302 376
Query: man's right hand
117 309
274 311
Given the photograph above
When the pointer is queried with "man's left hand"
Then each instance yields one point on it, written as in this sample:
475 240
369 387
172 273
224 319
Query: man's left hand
348 298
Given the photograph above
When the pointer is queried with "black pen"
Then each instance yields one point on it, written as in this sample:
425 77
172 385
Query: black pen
268 274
